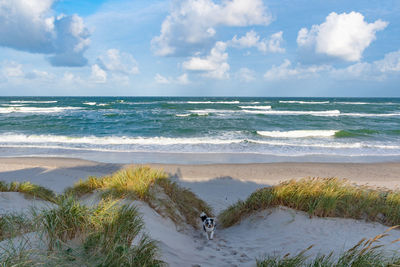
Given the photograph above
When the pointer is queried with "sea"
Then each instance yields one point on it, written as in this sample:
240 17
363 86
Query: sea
194 130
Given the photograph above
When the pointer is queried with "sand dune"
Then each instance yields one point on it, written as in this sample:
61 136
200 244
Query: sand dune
274 231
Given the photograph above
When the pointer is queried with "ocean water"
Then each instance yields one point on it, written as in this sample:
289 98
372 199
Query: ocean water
258 129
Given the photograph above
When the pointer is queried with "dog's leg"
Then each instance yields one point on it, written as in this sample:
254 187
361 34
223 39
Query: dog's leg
207 236
212 235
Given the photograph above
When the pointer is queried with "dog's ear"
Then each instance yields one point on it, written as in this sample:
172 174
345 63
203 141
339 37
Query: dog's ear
203 216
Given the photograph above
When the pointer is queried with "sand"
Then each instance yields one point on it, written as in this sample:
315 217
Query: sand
275 231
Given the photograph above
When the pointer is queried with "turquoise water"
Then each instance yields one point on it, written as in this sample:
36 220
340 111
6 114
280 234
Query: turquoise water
287 127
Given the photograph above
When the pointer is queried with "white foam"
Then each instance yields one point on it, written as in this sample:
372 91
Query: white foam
89 103
334 145
35 109
290 112
103 104
12 105
303 102
256 107
112 140
298 133
32 102
183 115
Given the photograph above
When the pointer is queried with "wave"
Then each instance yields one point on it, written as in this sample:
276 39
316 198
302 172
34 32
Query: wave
212 102
33 102
89 103
299 133
325 145
354 133
112 140
12 105
290 112
35 109
303 102
256 107
370 114
353 103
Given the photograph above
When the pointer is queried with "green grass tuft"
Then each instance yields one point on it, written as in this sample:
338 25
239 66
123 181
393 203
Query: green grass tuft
12 225
365 253
149 185
323 197
28 189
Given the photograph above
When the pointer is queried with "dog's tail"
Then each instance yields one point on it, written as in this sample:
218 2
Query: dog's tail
203 216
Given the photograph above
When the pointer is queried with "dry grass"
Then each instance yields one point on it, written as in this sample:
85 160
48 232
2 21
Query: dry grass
28 189
323 197
365 253
149 185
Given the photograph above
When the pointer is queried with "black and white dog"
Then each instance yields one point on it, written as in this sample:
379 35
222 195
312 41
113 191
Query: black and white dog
209 225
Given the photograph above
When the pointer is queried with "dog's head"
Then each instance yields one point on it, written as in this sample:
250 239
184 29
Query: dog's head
209 223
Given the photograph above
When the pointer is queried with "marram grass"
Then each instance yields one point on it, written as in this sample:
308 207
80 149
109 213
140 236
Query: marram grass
323 197
130 182
28 189
109 234
149 185
366 253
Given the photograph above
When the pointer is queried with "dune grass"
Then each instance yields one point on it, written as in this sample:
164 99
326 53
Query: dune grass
365 253
149 185
109 234
28 189
126 183
13 225
323 197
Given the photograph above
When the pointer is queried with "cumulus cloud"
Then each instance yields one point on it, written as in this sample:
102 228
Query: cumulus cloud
245 75
118 62
98 75
213 65
182 79
30 26
192 23
286 70
11 69
252 39
376 70
344 36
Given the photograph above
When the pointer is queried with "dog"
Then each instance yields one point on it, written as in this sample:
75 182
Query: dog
209 225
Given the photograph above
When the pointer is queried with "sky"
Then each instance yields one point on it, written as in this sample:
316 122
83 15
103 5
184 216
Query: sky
292 48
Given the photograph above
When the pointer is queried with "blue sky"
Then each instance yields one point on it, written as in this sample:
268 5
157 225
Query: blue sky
200 48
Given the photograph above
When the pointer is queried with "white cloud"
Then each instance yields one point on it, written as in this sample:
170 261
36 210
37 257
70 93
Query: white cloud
252 39
214 65
39 75
161 79
118 62
286 70
11 69
30 26
245 75
191 23
98 75
376 70
182 79
345 35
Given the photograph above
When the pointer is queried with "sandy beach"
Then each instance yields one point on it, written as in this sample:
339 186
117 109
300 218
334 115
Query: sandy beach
279 230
